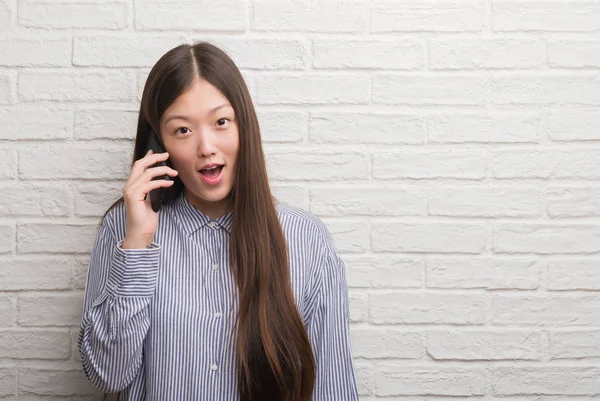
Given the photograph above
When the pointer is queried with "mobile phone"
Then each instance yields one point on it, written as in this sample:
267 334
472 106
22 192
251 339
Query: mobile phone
157 196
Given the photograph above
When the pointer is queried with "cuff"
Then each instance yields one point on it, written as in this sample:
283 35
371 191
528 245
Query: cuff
133 272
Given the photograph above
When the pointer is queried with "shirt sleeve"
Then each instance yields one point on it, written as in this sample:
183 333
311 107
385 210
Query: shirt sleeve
119 287
329 333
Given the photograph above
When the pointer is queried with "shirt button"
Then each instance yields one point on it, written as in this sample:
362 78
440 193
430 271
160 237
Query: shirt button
215 266
218 314
213 366
212 224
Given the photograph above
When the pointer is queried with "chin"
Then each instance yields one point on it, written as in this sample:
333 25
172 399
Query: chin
215 195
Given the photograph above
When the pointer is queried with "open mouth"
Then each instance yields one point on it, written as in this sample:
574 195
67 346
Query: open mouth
212 172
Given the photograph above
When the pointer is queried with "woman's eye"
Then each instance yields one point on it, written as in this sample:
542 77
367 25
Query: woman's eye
222 121
178 130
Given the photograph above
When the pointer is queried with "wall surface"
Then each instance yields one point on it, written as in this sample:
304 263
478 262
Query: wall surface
451 147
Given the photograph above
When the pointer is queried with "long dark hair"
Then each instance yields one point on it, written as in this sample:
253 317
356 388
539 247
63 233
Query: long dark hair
274 357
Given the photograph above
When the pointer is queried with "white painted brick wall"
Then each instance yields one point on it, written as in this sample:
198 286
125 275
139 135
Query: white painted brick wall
451 147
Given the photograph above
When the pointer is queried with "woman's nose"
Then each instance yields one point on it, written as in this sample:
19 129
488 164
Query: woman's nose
206 144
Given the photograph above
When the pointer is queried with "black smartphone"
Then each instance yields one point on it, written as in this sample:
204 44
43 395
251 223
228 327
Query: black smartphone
157 195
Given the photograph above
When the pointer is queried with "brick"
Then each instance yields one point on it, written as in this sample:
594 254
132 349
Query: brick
105 124
312 89
142 77
322 16
74 335
574 53
544 310
37 274
393 379
570 344
32 122
186 15
546 380
376 343
34 344
484 345
429 89
75 162
30 51
359 306
80 271
417 164
495 274
8 381
426 308
379 54
35 200
365 381
563 201
121 50
7 83
369 201
282 126
428 237
265 53
55 238
573 274
546 238
486 201
7 164
467 54
572 125
75 86
370 271
6 15
547 89
291 194
572 163
80 15
550 16
427 16
358 128
308 165
50 310
95 199
7 238
8 313
349 236
493 127
59 380
250 81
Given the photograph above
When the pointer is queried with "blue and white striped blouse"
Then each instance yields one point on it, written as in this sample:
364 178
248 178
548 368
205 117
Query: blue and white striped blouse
156 322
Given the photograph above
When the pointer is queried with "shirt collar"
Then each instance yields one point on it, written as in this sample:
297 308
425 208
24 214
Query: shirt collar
193 219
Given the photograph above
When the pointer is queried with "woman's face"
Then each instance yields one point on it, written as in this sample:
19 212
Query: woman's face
200 132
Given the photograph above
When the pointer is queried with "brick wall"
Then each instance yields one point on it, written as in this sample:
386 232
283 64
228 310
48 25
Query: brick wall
450 146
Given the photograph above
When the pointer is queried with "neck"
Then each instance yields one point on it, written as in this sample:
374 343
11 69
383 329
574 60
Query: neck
214 210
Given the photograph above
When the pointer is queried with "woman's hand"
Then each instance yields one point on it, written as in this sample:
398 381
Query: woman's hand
142 221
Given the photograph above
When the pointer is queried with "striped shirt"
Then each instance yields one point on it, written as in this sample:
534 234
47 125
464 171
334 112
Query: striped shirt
156 322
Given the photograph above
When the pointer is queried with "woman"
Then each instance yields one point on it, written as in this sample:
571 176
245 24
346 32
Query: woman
223 294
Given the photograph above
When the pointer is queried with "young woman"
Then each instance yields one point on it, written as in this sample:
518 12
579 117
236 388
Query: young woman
224 294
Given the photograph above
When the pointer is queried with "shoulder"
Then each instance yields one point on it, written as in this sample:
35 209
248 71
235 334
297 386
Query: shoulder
295 215
302 227
310 241
300 219
115 220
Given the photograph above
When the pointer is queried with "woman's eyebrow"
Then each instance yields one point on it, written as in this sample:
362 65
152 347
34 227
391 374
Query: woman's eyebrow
186 118
220 107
